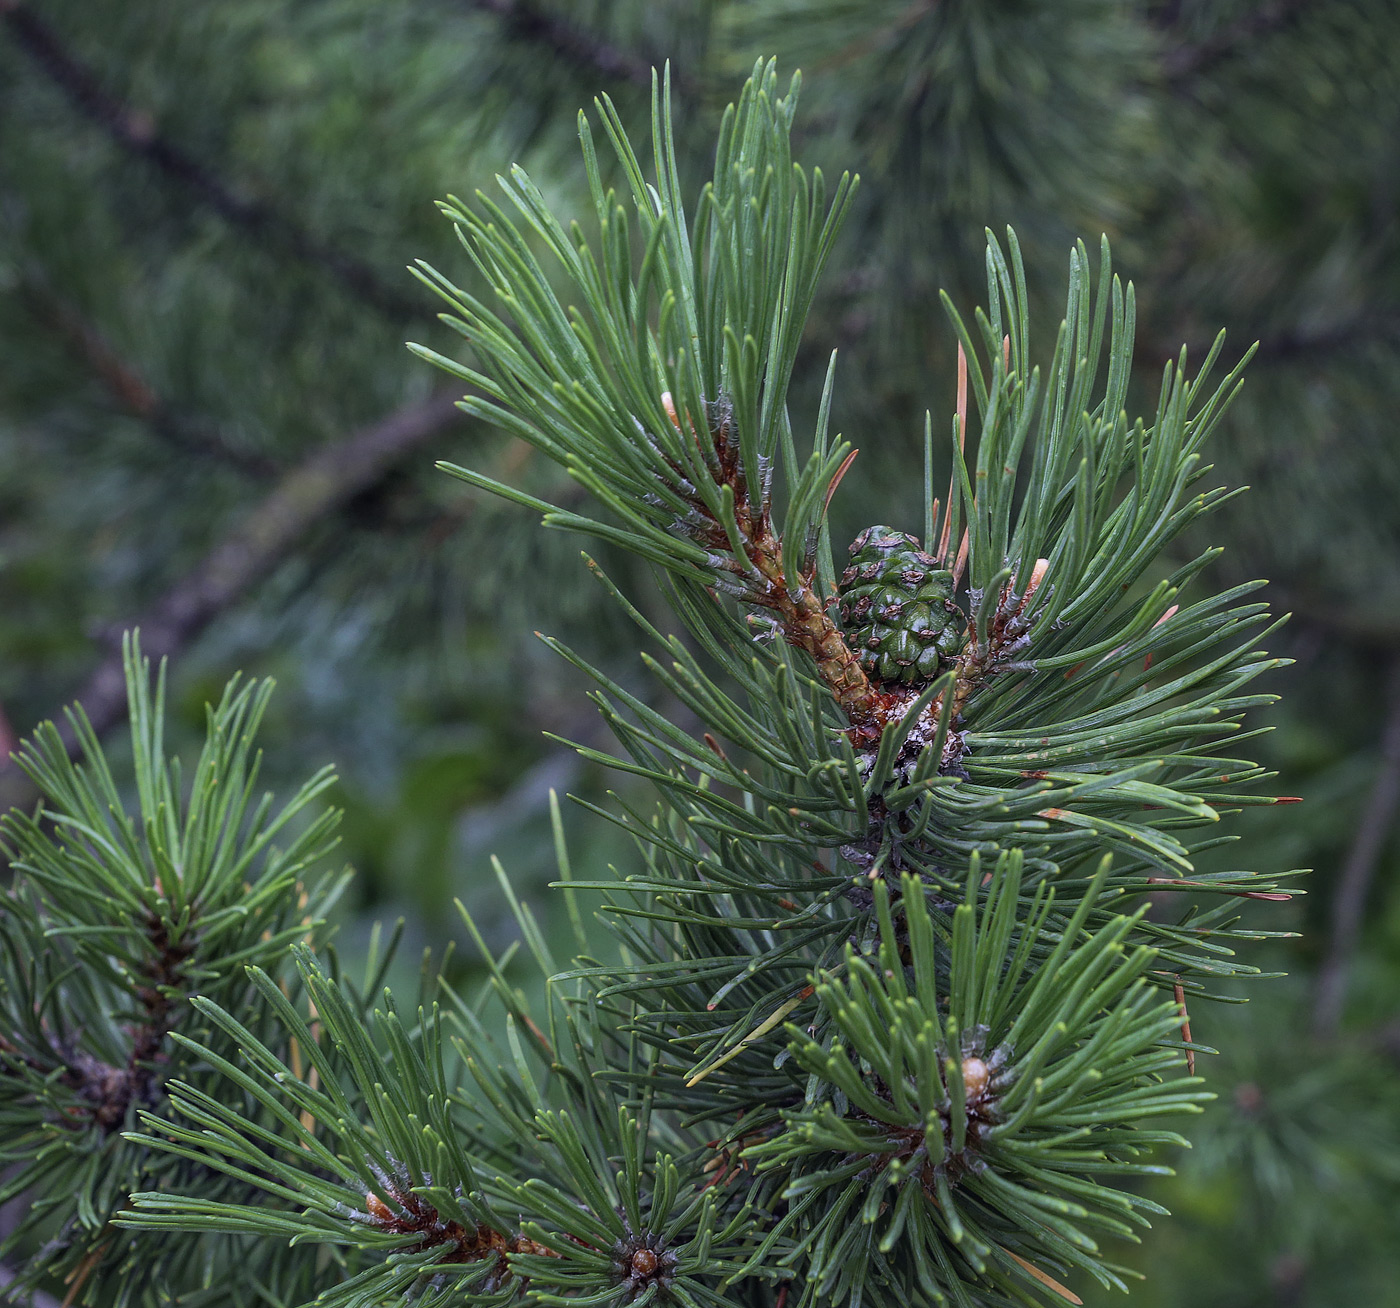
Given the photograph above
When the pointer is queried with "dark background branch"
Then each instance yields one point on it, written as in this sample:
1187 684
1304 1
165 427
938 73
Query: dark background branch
1280 347
1188 61
327 479
573 44
136 133
125 383
1359 870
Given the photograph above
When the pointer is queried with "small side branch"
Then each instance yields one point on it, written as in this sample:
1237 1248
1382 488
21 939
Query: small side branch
106 1092
1359 870
407 1213
757 575
135 133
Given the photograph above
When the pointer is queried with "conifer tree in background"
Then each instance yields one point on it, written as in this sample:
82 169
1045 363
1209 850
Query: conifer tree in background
207 430
887 1020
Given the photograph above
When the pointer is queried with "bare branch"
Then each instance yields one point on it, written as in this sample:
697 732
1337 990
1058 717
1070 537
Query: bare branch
1189 61
136 133
573 44
1360 868
130 389
327 479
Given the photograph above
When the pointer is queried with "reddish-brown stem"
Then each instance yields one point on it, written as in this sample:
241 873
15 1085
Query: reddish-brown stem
800 613
806 624
1179 993
945 541
411 1214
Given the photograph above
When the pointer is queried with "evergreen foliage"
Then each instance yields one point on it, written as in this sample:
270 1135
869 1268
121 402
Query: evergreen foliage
180 353
888 1015
115 919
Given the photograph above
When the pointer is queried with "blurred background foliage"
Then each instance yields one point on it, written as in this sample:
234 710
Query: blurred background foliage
209 426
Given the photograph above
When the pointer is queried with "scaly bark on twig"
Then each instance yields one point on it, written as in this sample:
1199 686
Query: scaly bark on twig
759 578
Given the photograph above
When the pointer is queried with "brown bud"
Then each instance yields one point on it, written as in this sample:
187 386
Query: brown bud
377 1208
1042 566
976 1077
645 1262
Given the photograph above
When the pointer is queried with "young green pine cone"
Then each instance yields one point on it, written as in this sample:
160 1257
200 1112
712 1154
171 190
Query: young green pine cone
897 607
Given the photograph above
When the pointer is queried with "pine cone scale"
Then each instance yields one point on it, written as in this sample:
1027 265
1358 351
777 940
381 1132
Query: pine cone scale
897 608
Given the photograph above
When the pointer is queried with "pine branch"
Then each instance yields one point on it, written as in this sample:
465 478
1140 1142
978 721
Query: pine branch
106 1091
113 920
474 1177
1187 62
760 576
130 388
944 1112
879 1028
1074 711
136 133
1352 889
683 442
303 497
